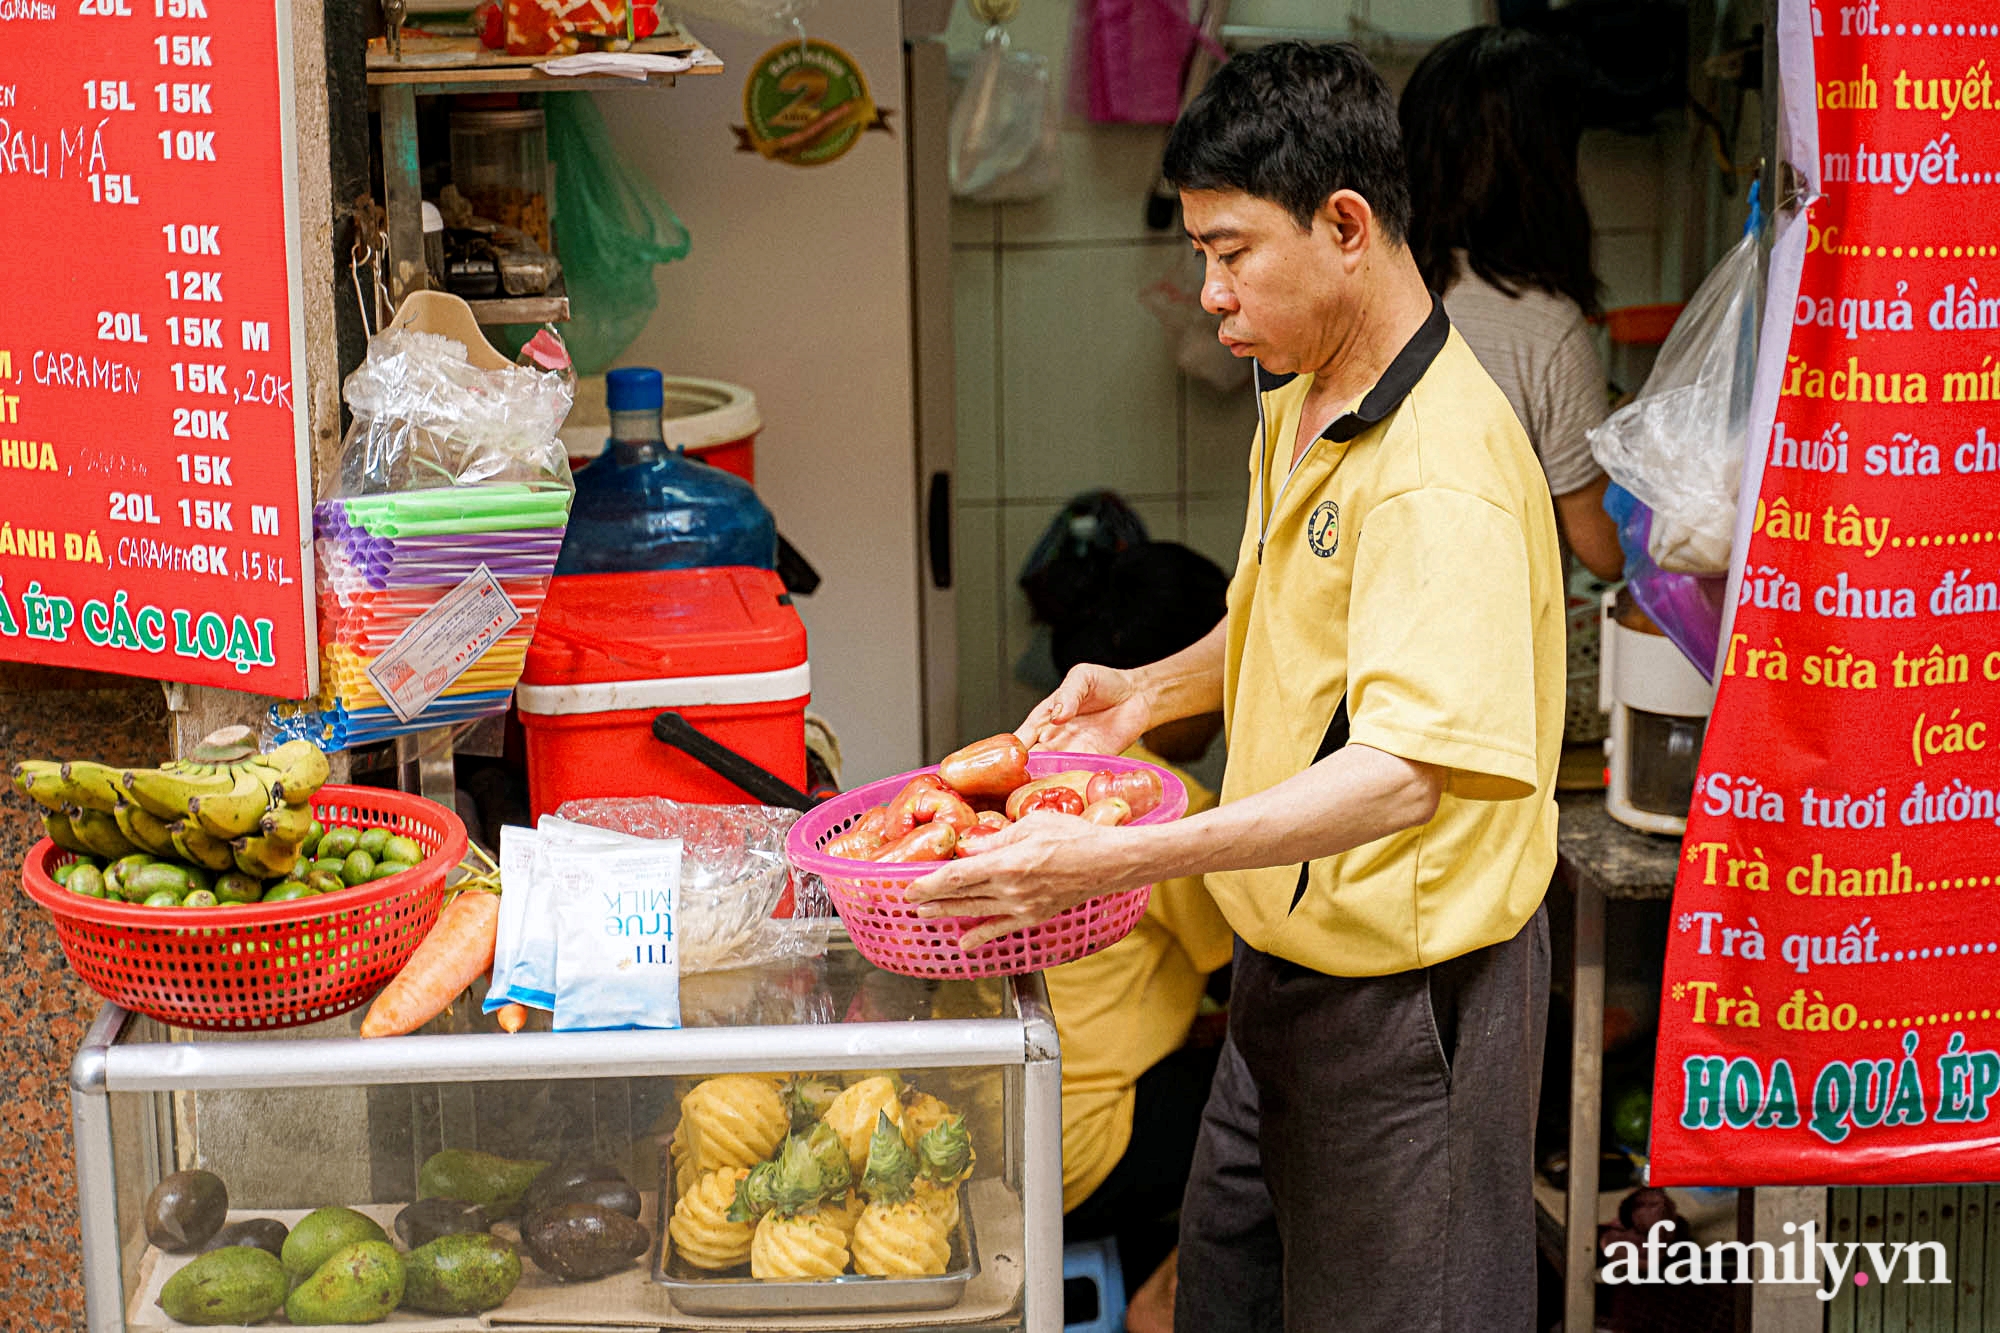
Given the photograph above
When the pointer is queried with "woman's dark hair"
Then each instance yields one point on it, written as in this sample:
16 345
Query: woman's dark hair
1291 123
1152 601
1491 121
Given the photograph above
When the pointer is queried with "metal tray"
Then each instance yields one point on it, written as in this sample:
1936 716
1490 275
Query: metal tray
735 1292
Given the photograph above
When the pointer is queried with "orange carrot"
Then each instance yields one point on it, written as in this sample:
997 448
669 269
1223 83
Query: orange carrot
452 956
513 1017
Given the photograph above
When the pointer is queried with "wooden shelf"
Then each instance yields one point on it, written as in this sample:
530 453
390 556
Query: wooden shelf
550 307
462 65
1711 1217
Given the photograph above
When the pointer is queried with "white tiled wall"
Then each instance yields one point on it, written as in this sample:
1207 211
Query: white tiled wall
1066 383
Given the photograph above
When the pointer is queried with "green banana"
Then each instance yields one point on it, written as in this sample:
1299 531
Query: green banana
165 793
239 811
99 832
40 780
144 831
266 858
302 770
288 823
56 824
92 785
194 845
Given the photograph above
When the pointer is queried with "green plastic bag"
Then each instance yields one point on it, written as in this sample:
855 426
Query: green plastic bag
612 229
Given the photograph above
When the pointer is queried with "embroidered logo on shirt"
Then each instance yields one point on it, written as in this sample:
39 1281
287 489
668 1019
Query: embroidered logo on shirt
1323 529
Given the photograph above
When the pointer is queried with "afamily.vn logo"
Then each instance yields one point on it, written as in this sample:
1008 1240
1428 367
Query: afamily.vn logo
1827 1266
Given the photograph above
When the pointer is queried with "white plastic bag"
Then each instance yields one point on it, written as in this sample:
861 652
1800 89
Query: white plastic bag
1003 126
1679 445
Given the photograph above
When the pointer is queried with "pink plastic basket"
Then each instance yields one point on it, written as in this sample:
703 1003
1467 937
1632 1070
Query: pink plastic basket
890 934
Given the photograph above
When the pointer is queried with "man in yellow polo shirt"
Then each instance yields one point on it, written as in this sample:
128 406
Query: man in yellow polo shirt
1391 671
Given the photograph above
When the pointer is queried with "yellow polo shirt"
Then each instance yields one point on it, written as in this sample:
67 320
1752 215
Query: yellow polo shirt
1404 581
1122 1010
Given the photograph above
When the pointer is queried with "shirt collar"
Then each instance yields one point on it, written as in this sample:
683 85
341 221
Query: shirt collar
1389 391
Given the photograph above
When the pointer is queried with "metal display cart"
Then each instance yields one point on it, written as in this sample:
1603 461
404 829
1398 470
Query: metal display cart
297 1119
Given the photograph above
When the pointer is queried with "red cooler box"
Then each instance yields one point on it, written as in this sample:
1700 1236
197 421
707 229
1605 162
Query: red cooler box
722 647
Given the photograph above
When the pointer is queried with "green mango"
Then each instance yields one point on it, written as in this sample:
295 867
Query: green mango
336 843
359 868
308 845
62 872
200 898
494 1183
462 1274
86 880
237 1285
328 865
164 898
237 887
371 841
160 877
318 1234
400 848
356 1284
287 890
384 869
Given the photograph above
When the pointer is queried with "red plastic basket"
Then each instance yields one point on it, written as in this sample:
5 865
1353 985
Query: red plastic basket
890 934
252 966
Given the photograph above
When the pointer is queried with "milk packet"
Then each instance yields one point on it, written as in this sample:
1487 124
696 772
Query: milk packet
523 972
617 950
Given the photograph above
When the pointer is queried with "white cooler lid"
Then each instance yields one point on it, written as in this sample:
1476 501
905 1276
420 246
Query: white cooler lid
615 696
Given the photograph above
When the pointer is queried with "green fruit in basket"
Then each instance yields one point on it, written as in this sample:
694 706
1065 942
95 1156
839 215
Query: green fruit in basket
235 1285
289 890
358 868
319 1234
309 845
336 843
330 865
325 881
56 824
401 848
288 823
237 887
384 869
197 877
159 877
62 872
371 840
200 898
99 833
87 880
194 845
164 898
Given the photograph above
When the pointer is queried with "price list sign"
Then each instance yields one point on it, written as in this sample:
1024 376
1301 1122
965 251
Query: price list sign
153 478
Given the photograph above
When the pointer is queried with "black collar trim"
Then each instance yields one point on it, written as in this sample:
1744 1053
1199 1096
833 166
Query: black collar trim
1402 376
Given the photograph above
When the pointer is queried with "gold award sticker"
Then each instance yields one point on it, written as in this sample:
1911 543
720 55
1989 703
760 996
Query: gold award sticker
806 103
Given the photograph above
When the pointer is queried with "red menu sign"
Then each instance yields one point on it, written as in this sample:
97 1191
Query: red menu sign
1832 1004
155 488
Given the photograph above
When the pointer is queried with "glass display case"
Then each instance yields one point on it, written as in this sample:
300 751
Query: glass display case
316 1117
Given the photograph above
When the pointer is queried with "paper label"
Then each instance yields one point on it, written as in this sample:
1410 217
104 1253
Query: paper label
442 643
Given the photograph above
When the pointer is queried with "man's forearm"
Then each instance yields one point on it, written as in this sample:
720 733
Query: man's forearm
1189 683
1353 796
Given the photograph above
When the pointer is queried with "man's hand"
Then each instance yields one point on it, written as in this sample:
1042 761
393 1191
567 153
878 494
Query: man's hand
1096 710
1022 876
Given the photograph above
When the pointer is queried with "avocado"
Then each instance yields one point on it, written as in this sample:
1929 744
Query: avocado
236 887
159 877
336 843
494 1183
427 1219
357 1284
235 1285
574 1241
357 868
185 1209
321 1232
462 1274
581 1182
261 1233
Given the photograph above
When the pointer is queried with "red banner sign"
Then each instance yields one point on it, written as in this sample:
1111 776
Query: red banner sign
1831 1013
152 516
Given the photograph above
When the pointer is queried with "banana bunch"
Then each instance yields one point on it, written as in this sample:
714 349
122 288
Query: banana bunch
225 807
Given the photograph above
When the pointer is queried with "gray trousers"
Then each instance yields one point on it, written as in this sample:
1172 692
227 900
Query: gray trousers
1366 1154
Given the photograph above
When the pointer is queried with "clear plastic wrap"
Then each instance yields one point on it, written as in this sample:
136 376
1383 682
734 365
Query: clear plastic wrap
425 416
1003 146
733 876
1678 447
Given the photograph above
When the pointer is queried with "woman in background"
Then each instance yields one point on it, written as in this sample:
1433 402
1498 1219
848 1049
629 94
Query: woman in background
1491 127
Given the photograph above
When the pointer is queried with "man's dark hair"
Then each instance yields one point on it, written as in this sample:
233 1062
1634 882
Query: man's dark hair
1292 123
1491 121
1153 601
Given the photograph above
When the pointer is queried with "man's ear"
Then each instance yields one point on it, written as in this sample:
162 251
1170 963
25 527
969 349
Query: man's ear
1349 219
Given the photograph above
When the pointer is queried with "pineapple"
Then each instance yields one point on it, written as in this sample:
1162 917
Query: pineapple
807 1098
804 1247
944 1161
896 1236
922 1112
705 1232
852 1115
732 1120
792 1241
843 1211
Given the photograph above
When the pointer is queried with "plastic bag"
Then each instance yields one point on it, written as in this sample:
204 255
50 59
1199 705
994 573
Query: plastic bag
733 876
1175 301
612 230
425 416
1678 447
1003 126
1686 607
1127 59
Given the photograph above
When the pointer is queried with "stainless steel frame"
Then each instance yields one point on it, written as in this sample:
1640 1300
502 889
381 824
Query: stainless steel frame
104 1066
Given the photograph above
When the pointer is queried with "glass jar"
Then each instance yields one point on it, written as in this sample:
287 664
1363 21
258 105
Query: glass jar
500 163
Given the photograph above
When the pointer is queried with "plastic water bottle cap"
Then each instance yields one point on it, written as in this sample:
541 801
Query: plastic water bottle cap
634 389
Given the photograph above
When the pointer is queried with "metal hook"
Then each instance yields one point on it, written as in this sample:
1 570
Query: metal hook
799 26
